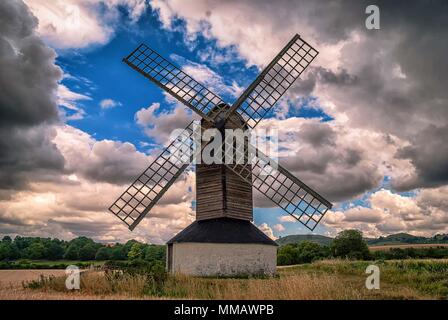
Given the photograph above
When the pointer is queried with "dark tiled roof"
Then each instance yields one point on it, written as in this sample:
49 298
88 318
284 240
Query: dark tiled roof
222 230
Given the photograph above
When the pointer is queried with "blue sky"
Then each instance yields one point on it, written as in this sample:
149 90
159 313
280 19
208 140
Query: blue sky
99 73
112 79
355 126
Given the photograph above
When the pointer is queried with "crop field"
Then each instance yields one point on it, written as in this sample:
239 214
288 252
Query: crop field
330 279
405 246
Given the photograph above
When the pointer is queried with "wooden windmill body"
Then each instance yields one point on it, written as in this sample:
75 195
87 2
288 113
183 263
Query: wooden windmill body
223 240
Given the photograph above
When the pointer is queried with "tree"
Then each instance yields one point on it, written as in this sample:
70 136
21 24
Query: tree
8 251
87 252
118 252
72 252
7 239
128 246
155 253
287 255
53 251
36 251
136 252
309 251
103 253
350 244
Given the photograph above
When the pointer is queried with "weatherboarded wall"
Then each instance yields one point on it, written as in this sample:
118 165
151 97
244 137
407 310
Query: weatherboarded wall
206 259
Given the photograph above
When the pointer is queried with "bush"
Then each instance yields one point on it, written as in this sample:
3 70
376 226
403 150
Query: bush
303 252
411 253
350 244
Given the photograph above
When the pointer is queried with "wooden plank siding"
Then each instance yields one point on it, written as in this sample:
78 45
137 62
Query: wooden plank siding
219 191
222 193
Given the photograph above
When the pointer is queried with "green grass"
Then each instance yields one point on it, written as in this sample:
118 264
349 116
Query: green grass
429 277
330 279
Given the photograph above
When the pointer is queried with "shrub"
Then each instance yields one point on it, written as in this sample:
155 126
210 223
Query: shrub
303 252
350 244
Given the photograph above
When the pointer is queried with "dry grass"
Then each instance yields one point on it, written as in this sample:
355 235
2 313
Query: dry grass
285 287
15 277
322 280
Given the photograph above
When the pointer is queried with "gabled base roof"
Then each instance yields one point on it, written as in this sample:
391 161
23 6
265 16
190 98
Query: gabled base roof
222 230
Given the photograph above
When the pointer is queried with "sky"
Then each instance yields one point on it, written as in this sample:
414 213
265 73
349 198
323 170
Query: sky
366 124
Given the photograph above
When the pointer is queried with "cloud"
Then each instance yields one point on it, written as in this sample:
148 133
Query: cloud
388 82
75 202
159 124
56 180
279 227
104 161
267 230
287 218
70 100
109 104
386 212
66 24
339 162
206 76
29 82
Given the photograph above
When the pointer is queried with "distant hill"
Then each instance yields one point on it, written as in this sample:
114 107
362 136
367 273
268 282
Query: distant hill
322 240
393 239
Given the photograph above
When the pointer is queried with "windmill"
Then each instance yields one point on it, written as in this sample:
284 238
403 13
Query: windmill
223 239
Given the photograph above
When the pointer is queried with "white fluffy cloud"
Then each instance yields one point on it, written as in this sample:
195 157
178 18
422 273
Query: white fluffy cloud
159 124
387 213
71 101
109 104
279 227
267 230
96 173
209 78
80 23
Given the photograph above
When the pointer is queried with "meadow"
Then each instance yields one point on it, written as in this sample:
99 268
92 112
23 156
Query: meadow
328 279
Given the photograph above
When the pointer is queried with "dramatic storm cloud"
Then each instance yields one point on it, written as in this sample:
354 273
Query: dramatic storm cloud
28 81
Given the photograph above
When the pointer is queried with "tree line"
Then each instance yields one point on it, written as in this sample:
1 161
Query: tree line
349 244
81 248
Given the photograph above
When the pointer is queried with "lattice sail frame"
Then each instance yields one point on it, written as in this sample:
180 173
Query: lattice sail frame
280 186
135 203
173 80
287 191
259 98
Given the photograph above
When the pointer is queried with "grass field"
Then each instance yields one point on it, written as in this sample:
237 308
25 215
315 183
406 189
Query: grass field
332 279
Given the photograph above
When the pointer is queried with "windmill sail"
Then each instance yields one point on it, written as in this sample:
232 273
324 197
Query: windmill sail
284 189
287 191
173 80
133 205
258 99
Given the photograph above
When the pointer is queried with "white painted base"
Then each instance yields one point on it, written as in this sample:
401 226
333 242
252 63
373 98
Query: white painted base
211 259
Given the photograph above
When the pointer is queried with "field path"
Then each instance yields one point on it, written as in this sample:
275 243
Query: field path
15 277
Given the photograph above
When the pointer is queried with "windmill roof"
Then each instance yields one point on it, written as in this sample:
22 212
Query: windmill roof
222 230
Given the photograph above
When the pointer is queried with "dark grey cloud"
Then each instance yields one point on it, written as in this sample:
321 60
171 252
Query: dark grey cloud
428 153
28 83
